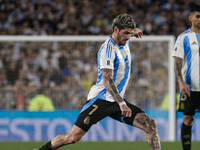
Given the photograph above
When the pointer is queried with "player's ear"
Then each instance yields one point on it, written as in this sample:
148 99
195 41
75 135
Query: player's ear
190 17
116 29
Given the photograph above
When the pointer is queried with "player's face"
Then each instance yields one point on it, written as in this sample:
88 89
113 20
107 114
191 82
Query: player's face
195 19
124 35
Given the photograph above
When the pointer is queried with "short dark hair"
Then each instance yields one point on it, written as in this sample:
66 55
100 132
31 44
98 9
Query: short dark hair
123 21
194 7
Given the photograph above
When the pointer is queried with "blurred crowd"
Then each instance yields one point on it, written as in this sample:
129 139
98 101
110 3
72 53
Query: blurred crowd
65 71
85 17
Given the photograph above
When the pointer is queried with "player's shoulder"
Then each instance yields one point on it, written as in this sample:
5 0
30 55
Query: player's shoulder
110 41
183 34
109 45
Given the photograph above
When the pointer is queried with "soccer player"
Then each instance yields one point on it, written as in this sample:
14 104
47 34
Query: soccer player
187 62
106 97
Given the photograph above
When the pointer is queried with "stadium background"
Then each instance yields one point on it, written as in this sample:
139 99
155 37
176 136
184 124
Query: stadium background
65 71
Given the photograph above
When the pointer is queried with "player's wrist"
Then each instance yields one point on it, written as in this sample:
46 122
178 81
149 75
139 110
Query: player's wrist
122 103
180 80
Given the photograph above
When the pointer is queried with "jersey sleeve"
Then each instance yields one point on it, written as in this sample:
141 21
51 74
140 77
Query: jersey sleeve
107 57
178 47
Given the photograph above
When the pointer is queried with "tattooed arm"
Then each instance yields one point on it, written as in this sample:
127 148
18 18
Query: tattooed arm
182 85
177 67
112 89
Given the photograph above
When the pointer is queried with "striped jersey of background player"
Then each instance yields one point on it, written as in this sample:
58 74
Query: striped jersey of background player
106 97
186 53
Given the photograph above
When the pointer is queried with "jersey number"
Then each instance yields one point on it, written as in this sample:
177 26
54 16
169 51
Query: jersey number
93 110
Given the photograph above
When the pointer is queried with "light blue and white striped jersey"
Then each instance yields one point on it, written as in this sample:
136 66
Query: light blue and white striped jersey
187 47
118 58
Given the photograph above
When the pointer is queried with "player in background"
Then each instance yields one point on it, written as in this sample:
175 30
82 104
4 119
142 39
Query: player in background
106 97
187 68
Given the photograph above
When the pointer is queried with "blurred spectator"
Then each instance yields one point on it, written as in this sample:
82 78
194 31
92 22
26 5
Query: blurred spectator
165 105
12 73
41 103
93 28
62 60
86 15
161 18
3 78
86 82
33 77
2 101
166 101
19 94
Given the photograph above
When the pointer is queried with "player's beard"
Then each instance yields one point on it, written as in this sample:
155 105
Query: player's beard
120 41
197 25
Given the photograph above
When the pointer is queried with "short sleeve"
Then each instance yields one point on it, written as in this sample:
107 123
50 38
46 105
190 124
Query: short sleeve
178 47
107 57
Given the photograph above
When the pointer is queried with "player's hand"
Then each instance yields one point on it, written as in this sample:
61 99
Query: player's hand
184 88
126 111
137 33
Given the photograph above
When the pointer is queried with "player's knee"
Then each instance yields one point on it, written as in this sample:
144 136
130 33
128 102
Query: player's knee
152 126
188 120
73 139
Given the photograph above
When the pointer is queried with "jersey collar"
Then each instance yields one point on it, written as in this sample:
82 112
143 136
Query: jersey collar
190 30
110 37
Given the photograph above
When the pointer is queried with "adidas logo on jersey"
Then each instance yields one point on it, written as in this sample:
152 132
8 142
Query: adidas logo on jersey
194 43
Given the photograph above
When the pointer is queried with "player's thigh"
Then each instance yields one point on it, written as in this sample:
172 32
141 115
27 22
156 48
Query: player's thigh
197 100
188 104
93 113
128 120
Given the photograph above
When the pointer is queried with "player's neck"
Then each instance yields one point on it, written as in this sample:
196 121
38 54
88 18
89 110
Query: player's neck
195 29
115 38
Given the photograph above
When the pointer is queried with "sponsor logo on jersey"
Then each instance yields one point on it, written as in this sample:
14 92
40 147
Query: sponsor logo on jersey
194 43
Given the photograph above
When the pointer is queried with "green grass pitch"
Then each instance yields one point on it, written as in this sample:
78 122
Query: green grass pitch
124 145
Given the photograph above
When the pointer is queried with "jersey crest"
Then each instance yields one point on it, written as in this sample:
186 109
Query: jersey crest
123 53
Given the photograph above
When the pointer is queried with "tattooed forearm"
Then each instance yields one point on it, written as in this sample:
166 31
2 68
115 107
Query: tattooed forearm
113 87
177 67
114 92
110 85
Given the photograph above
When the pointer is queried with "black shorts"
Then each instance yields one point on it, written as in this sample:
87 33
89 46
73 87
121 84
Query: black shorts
188 105
95 110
